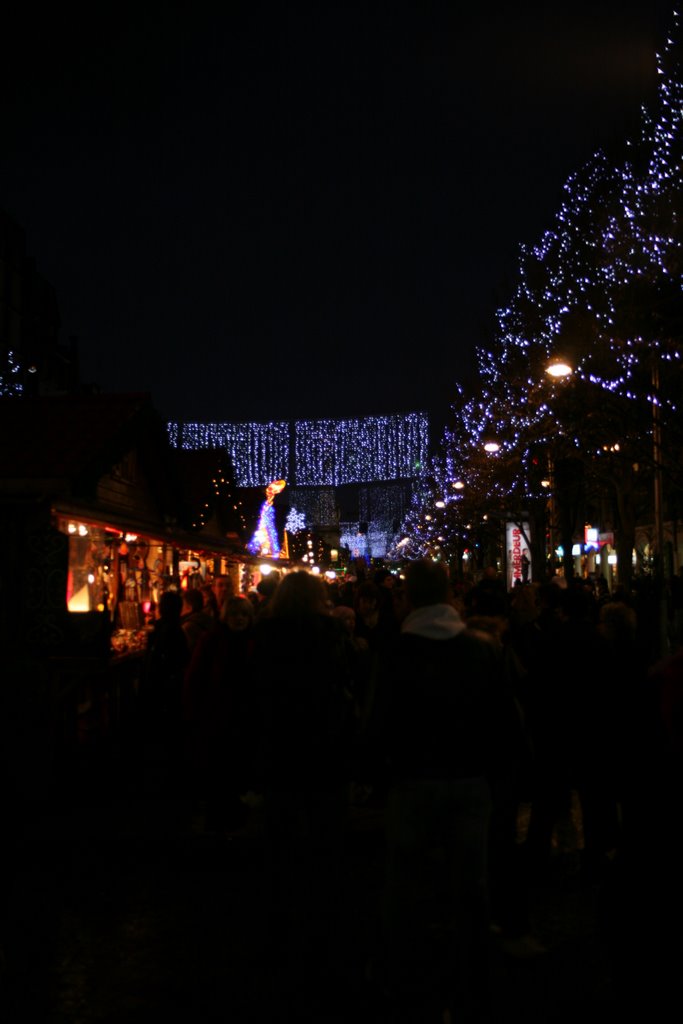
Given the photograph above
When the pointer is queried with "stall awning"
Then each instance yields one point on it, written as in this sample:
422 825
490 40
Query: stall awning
155 531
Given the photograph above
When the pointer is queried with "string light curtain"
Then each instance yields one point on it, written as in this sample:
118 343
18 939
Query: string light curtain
337 452
318 505
327 453
259 452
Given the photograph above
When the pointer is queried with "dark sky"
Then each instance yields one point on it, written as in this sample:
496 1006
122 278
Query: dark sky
308 213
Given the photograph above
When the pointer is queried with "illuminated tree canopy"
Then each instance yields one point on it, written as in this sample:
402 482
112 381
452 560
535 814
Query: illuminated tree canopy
602 289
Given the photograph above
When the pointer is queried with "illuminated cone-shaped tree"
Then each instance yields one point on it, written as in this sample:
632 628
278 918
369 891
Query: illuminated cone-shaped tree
602 288
644 278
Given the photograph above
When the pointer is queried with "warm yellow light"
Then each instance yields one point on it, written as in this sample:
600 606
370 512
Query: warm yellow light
440 504
491 446
558 368
458 485
80 601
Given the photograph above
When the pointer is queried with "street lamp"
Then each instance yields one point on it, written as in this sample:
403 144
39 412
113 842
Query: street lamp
559 369
657 461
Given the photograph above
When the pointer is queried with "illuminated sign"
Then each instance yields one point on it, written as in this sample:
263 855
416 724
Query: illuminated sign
590 539
518 554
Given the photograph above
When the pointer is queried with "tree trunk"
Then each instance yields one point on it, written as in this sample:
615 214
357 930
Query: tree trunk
569 498
624 488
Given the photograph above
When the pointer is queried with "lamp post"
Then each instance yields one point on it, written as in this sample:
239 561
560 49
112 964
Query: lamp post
549 484
658 497
558 369
517 534
561 369
657 465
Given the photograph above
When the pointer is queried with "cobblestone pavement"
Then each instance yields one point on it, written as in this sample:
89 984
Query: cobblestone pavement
123 912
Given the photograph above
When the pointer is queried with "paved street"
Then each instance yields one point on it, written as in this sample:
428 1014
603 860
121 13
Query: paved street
119 911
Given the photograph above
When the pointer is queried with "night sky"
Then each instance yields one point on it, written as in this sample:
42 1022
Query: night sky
315 212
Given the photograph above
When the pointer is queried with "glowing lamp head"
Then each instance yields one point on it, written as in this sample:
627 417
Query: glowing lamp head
491 446
558 369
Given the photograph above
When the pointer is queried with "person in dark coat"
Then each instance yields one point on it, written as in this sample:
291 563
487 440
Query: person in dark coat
220 716
196 619
304 663
641 899
160 699
443 717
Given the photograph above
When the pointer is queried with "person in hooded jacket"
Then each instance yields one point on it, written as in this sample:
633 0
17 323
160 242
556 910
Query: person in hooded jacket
444 720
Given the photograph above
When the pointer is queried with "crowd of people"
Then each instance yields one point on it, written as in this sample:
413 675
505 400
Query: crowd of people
449 707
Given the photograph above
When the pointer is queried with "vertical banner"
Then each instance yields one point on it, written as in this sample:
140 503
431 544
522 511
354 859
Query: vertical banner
518 554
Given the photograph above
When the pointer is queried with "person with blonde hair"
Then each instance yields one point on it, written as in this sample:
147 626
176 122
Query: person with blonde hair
223 588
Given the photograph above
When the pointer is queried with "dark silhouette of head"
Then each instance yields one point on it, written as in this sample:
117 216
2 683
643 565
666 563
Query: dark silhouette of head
426 583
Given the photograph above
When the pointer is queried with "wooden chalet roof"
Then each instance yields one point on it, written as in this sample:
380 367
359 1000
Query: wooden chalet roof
63 445
58 448
65 436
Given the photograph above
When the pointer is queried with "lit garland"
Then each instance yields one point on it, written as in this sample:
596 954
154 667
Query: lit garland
355 542
222 500
317 504
327 452
383 505
296 521
259 452
338 452
265 540
10 381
